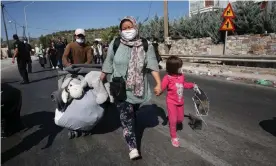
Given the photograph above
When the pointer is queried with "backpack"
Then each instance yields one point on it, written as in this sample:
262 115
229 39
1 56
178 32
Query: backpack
118 41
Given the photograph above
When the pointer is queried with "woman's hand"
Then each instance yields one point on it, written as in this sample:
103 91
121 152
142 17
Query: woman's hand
157 90
102 77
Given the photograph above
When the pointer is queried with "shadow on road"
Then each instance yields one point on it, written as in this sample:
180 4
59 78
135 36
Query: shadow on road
42 71
9 82
147 117
110 121
46 78
269 126
47 128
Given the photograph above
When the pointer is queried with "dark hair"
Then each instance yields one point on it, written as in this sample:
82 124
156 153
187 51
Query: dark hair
123 21
173 64
15 37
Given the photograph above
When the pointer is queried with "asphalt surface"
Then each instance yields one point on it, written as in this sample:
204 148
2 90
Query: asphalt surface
239 132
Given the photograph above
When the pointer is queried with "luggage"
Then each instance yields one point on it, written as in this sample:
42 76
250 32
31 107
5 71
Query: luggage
80 115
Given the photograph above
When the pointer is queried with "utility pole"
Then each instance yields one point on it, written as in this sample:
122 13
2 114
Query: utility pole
7 38
166 25
15 27
29 37
24 33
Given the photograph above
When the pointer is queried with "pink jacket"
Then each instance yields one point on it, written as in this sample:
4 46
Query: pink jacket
175 86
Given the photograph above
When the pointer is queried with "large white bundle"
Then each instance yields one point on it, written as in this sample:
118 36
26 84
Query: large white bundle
82 114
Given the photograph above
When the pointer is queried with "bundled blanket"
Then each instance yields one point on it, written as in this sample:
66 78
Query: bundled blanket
81 114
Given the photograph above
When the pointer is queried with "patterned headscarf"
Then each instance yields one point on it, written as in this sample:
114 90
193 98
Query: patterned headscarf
135 78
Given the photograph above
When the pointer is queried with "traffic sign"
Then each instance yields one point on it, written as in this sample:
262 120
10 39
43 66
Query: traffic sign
227 25
228 12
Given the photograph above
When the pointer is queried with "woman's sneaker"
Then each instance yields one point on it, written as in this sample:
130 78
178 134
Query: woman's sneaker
53 67
175 142
134 154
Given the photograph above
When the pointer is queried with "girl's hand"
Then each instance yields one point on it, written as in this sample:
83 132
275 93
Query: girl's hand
196 89
157 90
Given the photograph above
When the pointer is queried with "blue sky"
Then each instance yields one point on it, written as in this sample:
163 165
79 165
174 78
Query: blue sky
52 16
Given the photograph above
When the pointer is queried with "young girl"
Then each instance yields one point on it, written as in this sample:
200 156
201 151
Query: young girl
175 83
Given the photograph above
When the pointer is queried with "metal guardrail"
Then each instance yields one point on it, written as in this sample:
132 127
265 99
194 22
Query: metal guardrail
261 59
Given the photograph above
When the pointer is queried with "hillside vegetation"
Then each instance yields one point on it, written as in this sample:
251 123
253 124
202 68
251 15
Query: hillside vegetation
250 19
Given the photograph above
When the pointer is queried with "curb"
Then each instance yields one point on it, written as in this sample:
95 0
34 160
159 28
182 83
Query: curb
269 83
233 78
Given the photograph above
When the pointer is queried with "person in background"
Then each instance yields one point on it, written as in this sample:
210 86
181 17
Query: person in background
41 54
52 52
65 42
77 52
98 52
22 57
60 46
29 52
36 50
105 48
48 56
131 63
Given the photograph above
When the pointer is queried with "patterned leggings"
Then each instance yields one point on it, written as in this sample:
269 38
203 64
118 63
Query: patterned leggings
127 116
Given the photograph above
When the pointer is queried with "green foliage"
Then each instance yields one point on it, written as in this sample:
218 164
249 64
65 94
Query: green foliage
109 33
270 19
153 28
249 19
44 40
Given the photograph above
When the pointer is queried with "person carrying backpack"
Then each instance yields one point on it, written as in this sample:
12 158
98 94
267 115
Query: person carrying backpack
21 55
128 60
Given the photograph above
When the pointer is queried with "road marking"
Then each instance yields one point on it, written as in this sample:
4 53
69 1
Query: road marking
195 149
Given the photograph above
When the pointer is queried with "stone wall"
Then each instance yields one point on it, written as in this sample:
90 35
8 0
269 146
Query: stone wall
251 44
254 45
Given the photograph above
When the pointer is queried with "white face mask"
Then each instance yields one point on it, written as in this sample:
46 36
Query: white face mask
129 34
80 41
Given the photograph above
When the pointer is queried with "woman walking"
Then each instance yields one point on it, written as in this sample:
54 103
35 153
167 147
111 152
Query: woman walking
129 64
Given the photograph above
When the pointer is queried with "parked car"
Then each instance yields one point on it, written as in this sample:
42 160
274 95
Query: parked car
11 101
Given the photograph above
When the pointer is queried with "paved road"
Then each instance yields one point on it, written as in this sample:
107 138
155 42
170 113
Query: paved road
233 135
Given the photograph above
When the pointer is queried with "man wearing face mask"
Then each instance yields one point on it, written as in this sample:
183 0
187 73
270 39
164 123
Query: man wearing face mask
77 52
